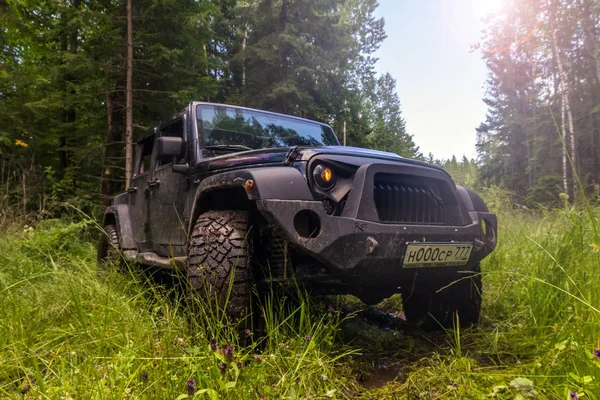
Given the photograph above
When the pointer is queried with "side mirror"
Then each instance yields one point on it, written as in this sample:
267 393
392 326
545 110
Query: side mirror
169 147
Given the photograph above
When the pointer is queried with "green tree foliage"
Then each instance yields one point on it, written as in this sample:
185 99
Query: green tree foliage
389 128
63 78
464 172
520 143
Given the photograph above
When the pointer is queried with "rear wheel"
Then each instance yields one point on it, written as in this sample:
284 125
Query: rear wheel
109 249
434 304
219 260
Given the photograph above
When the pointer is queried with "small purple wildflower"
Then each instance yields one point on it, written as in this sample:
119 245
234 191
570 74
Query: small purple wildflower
191 386
144 376
331 308
248 332
229 353
307 338
297 381
324 377
597 353
222 367
213 344
573 396
238 365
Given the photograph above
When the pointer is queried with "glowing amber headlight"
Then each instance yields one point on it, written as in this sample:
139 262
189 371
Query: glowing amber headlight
324 177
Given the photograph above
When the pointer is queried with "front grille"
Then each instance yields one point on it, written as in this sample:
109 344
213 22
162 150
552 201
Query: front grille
400 198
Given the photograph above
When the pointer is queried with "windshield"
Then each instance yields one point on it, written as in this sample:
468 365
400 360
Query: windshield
240 129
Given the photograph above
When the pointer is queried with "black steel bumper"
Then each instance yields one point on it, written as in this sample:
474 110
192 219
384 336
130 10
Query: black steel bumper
355 249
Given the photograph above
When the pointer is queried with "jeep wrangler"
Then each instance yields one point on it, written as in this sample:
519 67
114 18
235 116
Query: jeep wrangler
238 199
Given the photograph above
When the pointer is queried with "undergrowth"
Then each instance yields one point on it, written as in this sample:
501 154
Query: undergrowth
71 329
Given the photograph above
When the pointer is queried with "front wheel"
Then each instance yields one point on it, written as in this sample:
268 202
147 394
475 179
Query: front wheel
219 260
433 304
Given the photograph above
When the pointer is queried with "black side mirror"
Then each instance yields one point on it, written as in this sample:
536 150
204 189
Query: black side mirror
169 147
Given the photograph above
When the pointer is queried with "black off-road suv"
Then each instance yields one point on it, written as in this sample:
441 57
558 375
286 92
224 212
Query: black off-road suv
238 198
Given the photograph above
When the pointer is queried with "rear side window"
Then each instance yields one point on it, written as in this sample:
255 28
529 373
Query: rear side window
143 156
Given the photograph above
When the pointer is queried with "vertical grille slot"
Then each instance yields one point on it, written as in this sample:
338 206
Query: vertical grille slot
401 198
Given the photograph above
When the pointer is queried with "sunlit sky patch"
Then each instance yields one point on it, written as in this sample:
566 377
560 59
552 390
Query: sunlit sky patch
439 78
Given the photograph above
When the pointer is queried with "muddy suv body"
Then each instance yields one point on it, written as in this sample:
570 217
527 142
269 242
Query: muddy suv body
237 198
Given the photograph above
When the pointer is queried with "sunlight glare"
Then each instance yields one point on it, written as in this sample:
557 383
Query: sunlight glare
486 7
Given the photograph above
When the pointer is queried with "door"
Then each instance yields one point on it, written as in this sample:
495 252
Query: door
167 195
138 193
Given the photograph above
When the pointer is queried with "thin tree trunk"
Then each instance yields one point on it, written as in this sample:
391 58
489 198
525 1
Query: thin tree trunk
244 39
283 20
129 99
115 107
24 182
345 117
590 31
565 96
564 148
206 59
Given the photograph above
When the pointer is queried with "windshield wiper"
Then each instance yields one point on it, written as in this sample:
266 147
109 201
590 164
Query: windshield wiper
237 147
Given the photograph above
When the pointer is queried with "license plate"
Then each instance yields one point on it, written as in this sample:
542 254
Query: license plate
434 254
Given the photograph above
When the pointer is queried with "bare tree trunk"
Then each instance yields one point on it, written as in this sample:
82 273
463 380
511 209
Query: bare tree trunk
129 99
565 97
283 20
564 148
590 32
112 178
24 182
345 117
244 64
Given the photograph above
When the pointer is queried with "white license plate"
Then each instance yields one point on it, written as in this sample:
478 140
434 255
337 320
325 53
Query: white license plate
434 254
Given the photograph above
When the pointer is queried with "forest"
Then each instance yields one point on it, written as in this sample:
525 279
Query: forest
64 81
541 136
64 92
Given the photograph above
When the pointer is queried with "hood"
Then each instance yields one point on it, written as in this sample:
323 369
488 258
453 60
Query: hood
278 155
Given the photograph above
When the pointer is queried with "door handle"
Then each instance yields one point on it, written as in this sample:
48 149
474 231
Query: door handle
153 183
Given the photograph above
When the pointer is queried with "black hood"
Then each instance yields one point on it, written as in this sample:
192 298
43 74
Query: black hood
279 155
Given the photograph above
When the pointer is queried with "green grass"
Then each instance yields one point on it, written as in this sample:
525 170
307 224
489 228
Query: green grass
69 329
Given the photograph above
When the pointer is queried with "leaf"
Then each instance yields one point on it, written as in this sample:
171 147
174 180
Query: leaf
522 384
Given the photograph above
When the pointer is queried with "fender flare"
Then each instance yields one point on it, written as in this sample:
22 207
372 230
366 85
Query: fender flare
276 182
119 215
471 200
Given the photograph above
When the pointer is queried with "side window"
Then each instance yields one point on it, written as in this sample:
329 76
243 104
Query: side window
174 129
143 156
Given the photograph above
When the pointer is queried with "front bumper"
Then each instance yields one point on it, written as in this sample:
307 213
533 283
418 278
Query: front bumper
355 249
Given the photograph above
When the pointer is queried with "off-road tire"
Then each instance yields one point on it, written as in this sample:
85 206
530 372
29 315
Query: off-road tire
109 249
433 304
219 247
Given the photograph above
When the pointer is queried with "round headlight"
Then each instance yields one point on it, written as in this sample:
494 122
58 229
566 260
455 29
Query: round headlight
324 177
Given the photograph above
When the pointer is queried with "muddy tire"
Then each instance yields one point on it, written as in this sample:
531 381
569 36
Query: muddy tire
219 260
109 249
432 310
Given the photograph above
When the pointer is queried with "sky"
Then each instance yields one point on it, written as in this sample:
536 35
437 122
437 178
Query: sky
439 79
